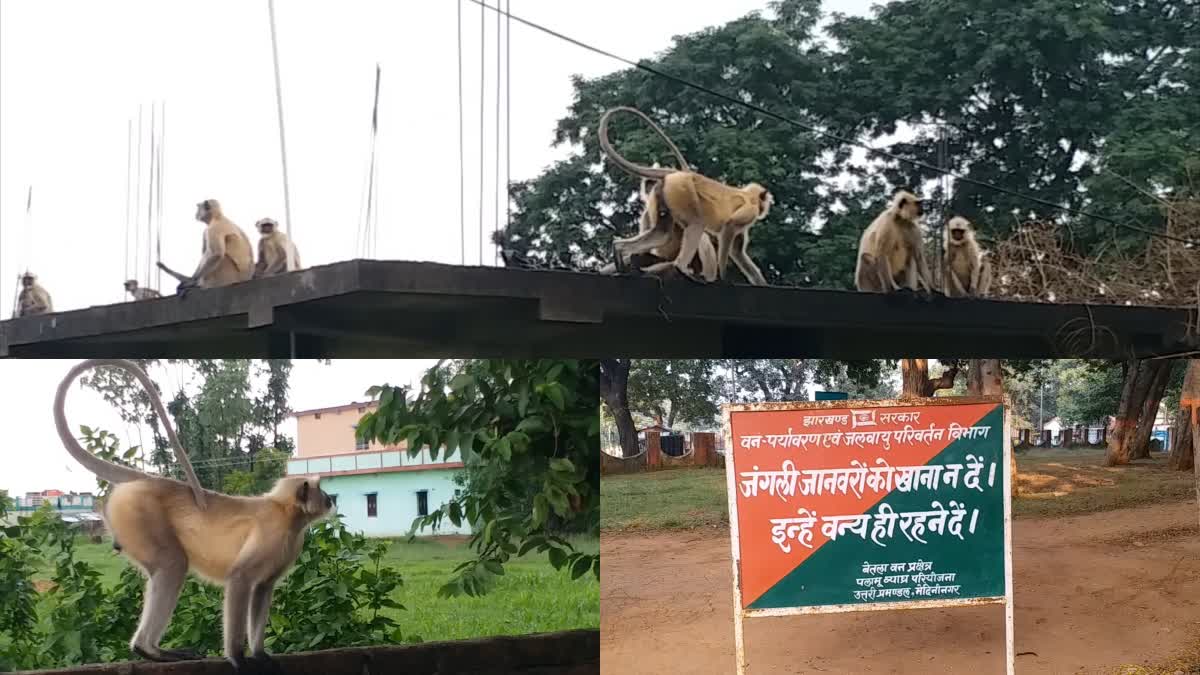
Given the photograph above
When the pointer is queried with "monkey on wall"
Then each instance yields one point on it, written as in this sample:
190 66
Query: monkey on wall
227 256
167 527
655 216
276 251
890 252
33 298
140 293
696 204
965 268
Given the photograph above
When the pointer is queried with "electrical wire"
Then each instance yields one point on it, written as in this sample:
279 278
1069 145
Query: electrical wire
162 154
462 165
482 42
150 186
137 202
507 124
496 181
128 171
811 129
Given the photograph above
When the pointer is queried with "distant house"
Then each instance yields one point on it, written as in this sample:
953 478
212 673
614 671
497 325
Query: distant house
58 500
379 489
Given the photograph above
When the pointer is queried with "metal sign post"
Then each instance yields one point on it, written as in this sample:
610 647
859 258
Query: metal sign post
841 506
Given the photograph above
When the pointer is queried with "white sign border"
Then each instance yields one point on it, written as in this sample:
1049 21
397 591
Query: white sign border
739 614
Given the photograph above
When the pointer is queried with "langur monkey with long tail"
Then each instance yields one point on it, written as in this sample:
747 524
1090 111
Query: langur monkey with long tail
227 256
167 527
965 268
653 216
696 204
890 253
276 251
33 298
140 293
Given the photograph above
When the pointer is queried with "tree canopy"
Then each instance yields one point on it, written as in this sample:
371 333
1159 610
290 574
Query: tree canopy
1079 104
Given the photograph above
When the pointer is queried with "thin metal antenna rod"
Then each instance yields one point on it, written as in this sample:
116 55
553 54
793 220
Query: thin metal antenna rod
287 201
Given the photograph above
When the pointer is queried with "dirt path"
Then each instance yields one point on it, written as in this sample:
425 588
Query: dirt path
1092 593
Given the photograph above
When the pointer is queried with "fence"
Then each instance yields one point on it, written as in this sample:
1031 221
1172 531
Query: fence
663 451
1092 437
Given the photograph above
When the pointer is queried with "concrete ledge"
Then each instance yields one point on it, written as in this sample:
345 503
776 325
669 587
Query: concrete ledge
567 653
368 308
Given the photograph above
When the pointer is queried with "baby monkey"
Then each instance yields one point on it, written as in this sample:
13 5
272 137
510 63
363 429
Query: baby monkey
141 293
276 251
167 527
33 299
965 268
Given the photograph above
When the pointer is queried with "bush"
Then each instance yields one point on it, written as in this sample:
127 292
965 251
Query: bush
331 598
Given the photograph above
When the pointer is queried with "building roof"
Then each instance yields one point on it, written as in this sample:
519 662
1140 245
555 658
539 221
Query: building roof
335 408
365 308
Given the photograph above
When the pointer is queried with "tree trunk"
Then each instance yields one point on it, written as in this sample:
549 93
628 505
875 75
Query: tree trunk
1181 457
1140 441
614 389
1142 382
985 378
1189 402
917 383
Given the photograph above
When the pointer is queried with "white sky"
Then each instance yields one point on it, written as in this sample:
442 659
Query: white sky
73 73
32 457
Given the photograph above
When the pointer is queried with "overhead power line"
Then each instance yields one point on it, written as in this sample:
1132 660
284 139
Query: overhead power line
812 129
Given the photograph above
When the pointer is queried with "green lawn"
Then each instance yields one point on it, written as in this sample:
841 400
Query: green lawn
1053 482
532 596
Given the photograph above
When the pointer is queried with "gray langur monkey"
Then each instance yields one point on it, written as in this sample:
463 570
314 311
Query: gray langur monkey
696 204
890 252
965 268
167 527
227 256
33 298
655 216
276 251
141 293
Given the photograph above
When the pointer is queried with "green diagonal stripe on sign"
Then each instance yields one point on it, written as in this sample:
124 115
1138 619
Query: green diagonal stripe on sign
830 576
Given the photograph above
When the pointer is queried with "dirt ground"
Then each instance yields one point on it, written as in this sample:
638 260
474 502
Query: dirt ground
1093 592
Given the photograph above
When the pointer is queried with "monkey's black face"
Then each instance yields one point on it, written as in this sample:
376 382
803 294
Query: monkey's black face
957 233
27 282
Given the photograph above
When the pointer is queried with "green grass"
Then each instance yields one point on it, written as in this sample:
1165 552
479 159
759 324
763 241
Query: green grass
532 596
1053 482
1062 482
677 499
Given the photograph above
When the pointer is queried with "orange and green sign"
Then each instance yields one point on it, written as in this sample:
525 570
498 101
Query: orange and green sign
867 503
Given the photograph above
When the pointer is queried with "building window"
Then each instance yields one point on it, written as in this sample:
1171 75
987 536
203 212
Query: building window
372 507
362 410
317 415
360 443
422 502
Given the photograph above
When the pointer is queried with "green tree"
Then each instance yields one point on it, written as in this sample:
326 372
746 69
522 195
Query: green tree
677 390
1035 97
788 379
567 216
520 426
223 419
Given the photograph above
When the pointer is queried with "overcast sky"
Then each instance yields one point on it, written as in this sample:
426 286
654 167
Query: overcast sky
34 459
73 73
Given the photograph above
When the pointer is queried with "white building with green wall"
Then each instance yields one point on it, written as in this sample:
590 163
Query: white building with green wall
378 490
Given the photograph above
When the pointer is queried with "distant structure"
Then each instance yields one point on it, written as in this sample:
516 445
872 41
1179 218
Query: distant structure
379 490
73 507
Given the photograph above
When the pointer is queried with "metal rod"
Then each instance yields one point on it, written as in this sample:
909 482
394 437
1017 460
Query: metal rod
287 202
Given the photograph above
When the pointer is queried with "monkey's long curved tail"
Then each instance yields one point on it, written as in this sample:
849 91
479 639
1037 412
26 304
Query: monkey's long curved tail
630 167
109 471
177 275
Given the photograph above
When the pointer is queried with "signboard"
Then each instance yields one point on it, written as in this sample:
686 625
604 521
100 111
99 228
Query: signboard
868 505
830 396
